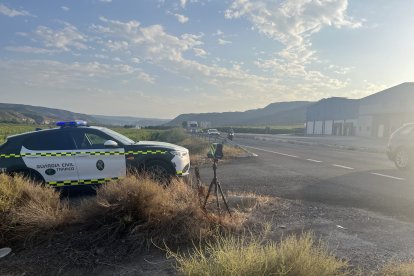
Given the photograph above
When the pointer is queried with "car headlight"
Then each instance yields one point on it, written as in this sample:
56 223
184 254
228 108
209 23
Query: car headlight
179 153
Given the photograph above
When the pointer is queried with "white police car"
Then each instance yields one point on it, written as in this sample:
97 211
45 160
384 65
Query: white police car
78 154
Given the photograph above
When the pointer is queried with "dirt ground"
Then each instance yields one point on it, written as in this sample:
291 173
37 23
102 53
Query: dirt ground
365 239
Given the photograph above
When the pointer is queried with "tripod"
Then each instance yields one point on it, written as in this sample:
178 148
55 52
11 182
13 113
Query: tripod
217 188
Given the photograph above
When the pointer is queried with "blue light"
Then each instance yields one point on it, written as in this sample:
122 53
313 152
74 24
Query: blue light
72 123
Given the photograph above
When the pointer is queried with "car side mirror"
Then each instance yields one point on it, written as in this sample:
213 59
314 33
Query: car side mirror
110 144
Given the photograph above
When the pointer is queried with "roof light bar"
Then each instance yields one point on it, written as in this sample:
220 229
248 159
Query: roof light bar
75 123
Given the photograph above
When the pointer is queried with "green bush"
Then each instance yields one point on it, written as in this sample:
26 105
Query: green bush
175 136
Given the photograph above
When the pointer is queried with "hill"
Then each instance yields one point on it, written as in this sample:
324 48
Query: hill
20 113
126 120
283 113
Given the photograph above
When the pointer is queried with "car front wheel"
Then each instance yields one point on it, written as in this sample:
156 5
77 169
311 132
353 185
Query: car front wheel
402 159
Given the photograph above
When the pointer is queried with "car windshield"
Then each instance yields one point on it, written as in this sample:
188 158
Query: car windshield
118 136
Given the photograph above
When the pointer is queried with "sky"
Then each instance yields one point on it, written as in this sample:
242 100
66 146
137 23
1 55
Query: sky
161 58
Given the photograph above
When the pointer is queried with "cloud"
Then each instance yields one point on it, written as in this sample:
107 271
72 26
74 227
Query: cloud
183 3
364 89
64 8
12 13
64 40
105 1
146 77
218 33
135 60
292 24
292 21
117 45
181 18
29 50
199 52
55 74
153 45
223 42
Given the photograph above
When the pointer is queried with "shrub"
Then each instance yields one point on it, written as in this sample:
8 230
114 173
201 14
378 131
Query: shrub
135 207
142 210
230 255
28 209
175 135
196 145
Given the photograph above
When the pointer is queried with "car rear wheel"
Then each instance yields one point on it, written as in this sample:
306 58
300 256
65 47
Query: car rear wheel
402 159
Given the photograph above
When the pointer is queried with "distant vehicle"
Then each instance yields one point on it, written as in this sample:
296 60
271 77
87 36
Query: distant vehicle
230 134
78 154
192 127
213 132
400 148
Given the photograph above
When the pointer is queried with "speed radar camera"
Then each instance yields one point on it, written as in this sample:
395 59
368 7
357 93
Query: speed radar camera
215 151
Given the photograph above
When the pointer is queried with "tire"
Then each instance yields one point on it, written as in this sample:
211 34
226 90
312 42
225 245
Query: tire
402 159
159 171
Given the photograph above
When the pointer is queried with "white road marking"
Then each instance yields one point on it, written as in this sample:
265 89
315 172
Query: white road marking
389 176
313 160
343 167
317 161
270 151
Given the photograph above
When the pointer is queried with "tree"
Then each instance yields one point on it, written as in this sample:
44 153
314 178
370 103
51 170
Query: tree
184 124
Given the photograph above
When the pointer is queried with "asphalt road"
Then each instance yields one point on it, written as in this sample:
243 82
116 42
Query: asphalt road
333 176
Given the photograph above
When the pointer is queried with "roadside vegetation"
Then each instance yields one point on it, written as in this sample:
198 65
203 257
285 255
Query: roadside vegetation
398 269
134 207
125 216
135 214
11 129
245 255
141 213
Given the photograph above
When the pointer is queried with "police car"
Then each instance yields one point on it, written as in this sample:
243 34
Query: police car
78 154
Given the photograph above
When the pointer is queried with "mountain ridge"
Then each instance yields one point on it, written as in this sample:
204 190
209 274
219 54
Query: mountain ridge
22 113
282 113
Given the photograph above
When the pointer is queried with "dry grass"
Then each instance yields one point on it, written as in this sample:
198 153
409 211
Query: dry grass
28 209
145 211
398 269
231 152
134 208
230 255
136 211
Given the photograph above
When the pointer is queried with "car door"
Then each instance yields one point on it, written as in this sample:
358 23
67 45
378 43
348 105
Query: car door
97 163
52 154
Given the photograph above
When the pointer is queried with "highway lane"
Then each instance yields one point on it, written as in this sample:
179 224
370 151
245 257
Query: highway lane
328 175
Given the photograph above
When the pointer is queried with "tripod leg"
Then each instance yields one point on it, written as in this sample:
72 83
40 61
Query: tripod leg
208 194
217 197
224 199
